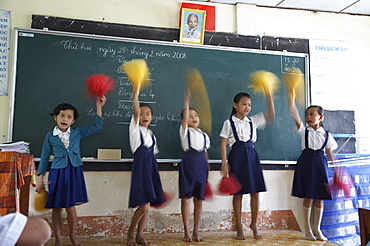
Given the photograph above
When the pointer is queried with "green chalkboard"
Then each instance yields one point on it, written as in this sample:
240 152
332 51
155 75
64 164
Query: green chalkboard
51 68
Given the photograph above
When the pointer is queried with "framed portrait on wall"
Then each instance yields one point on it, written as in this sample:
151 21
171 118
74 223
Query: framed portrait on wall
192 26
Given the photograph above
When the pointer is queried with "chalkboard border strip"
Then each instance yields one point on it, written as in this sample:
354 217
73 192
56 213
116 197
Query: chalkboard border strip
145 41
130 160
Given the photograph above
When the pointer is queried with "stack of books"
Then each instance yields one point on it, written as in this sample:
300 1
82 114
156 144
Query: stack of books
20 146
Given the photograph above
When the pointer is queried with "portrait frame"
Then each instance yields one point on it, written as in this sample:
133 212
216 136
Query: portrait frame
195 34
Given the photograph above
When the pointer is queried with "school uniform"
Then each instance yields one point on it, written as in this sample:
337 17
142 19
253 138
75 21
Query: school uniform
146 184
311 173
193 172
66 186
243 158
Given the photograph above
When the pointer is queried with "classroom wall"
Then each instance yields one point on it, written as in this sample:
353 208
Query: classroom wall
106 213
108 191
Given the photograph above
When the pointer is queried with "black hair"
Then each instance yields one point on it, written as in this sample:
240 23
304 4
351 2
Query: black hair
182 112
320 111
65 106
237 99
147 105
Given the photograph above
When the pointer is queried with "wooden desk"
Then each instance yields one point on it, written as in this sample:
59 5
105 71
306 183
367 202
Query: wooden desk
16 170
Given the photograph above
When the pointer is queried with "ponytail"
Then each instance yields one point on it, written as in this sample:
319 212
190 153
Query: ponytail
233 111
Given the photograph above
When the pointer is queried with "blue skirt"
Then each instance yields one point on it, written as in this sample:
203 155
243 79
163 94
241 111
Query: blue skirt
245 165
146 185
311 176
193 174
66 187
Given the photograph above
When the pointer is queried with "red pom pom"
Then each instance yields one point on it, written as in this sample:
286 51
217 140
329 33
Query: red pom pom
168 197
99 84
229 185
343 180
341 185
208 193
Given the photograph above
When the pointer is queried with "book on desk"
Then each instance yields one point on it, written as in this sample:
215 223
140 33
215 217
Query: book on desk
20 146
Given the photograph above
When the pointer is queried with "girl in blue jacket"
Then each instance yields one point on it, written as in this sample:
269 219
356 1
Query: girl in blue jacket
66 184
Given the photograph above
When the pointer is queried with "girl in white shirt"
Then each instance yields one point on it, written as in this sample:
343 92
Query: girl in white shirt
146 187
239 131
311 175
193 172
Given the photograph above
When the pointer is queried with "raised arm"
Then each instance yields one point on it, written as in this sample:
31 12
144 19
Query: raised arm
99 105
135 102
270 114
185 112
293 110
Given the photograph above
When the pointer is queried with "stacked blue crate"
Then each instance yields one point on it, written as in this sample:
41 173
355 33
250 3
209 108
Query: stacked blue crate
340 222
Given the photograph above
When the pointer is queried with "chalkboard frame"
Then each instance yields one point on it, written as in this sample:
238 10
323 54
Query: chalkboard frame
36 31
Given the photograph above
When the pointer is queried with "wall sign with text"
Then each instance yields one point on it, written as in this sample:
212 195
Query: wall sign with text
4 51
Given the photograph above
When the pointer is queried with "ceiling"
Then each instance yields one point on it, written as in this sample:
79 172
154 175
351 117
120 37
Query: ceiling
360 7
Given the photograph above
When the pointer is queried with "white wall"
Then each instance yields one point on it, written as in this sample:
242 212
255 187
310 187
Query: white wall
114 187
108 196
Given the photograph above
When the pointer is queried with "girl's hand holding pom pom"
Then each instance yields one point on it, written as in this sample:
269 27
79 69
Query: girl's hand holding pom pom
101 100
225 169
229 185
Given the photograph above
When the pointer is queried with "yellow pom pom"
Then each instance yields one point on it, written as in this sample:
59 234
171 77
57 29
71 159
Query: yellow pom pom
138 72
40 201
294 81
264 82
199 98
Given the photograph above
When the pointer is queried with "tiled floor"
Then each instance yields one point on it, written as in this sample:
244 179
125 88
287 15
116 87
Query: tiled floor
271 237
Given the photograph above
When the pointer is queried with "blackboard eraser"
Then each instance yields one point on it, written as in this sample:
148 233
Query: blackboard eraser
88 158
109 154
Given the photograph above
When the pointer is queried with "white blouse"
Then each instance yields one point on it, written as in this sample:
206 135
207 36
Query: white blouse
196 139
243 128
64 136
316 138
135 141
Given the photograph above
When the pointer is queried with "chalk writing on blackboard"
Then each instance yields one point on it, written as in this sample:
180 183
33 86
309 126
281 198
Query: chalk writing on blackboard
124 107
288 62
68 59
